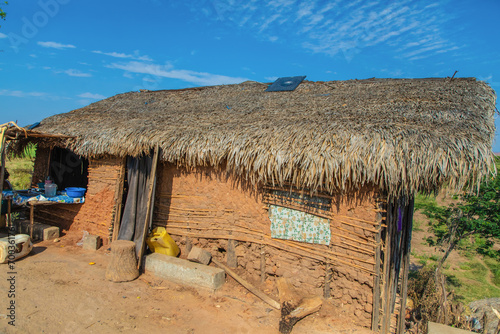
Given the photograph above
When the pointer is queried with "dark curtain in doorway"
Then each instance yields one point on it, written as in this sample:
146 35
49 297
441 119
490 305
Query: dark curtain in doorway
135 211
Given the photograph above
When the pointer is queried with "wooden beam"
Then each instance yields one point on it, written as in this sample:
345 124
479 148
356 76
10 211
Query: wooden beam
248 286
149 206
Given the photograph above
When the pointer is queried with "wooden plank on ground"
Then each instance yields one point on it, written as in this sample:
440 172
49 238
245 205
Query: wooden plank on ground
248 286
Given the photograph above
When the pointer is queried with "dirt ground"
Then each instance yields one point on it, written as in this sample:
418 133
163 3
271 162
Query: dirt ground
58 290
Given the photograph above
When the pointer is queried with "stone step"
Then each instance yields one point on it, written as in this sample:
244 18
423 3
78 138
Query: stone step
185 272
41 232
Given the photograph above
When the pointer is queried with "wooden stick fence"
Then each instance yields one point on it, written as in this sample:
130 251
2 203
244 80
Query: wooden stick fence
257 237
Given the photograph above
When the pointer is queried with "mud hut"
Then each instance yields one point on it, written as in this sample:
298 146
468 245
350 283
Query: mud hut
314 184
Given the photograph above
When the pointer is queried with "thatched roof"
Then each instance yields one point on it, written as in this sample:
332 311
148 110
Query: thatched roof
403 135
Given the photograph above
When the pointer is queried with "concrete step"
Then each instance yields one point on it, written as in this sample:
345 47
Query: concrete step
435 328
185 272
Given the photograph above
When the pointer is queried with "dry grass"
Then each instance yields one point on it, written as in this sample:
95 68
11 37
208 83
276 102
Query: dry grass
402 135
21 171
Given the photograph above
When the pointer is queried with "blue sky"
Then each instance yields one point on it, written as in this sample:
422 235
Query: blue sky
60 55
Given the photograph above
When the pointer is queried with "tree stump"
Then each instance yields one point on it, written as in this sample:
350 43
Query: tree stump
123 264
293 306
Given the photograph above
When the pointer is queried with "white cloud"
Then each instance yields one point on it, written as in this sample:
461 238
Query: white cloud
3 35
135 56
488 78
19 93
340 27
33 55
84 102
92 96
167 71
56 45
76 73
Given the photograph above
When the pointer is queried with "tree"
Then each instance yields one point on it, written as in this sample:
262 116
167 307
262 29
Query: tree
2 13
475 214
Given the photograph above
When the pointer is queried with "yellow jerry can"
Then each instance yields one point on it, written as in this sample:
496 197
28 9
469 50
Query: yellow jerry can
159 241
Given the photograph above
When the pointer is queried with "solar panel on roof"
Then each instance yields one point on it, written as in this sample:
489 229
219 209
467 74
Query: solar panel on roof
32 126
285 84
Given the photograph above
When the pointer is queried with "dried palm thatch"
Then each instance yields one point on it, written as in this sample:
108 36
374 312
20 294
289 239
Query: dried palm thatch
404 135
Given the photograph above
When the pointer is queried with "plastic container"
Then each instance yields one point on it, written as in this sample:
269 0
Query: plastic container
23 247
50 189
75 192
159 241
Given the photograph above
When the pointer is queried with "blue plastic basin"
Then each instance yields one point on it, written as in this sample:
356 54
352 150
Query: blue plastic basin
75 192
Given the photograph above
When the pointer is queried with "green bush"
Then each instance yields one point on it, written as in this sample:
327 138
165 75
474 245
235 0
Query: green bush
485 247
494 266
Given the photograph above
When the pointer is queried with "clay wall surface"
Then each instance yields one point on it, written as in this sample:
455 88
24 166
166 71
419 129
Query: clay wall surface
206 207
96 214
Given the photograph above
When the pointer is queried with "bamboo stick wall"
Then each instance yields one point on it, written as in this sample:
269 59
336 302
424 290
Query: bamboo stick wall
209 207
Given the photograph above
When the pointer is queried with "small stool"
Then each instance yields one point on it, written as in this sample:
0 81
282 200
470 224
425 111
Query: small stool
123 264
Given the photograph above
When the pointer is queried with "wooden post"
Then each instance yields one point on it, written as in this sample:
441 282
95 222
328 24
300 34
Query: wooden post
328 278
32 219
231 260
2 168
262 263
149 206
408 224
119 200
9 213
189 244
386 310
376 283
49 161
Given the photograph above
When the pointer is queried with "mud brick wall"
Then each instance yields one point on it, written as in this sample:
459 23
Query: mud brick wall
205 207
96 214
